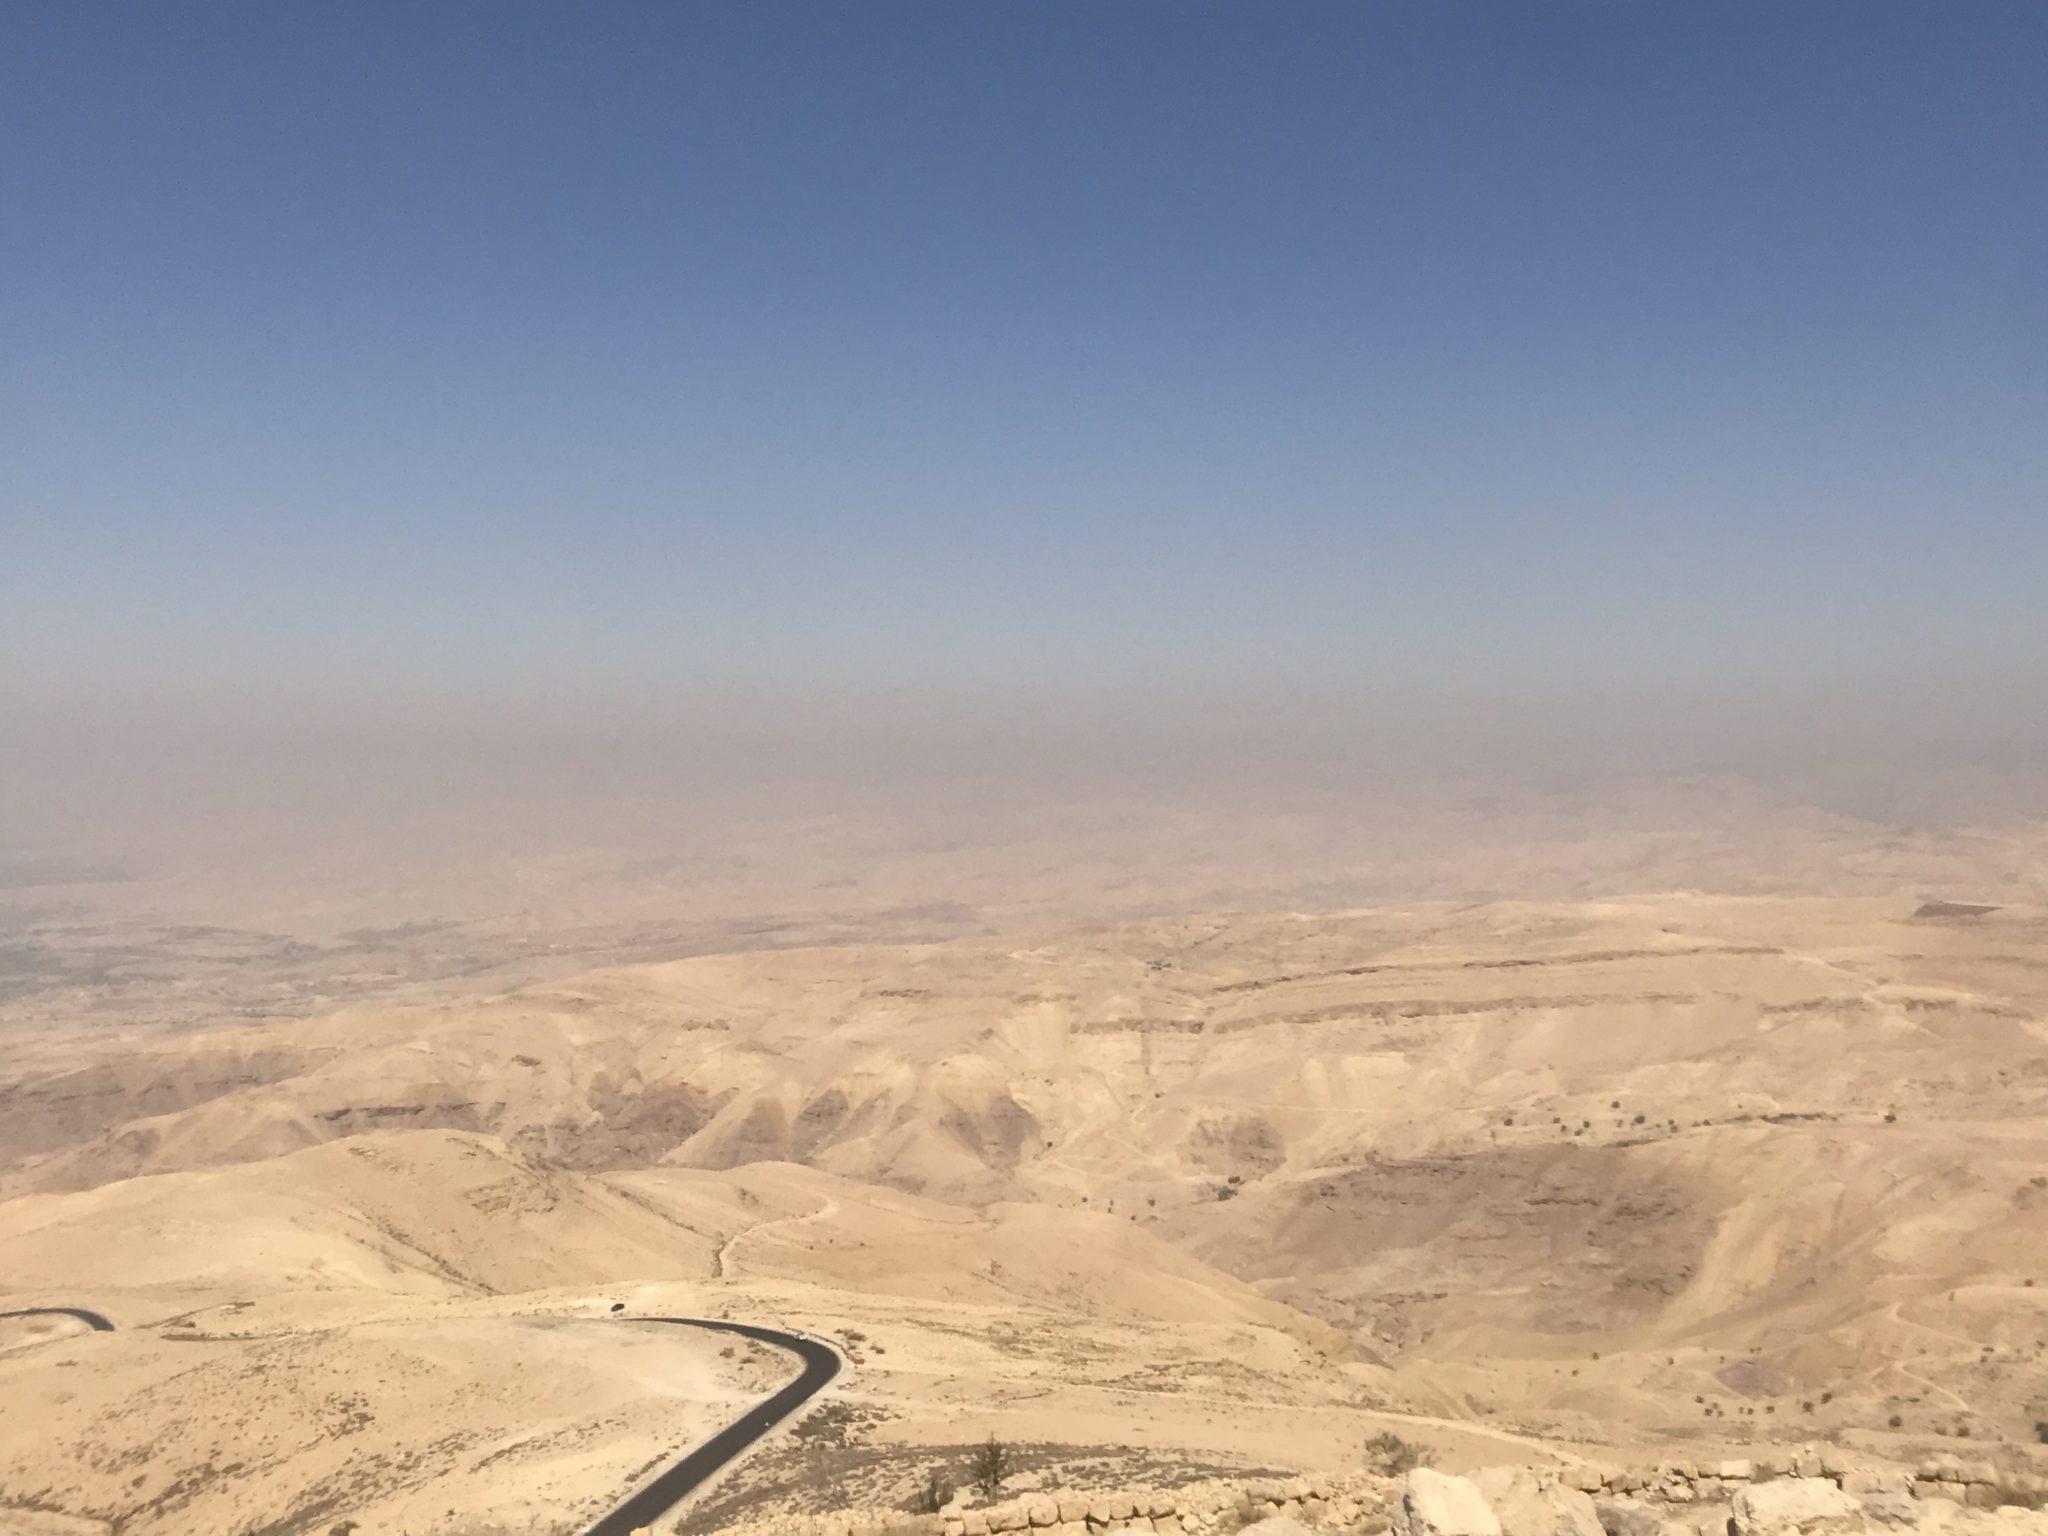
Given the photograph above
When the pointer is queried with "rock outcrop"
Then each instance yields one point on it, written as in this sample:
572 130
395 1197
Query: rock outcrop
1529 1504
1437 1504
1794 1506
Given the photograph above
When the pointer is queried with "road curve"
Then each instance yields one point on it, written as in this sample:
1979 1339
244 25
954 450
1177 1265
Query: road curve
92 1320
673 1484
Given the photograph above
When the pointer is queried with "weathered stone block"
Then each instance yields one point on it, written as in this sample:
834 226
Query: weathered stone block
1799 1504
1435 1504
1527 1505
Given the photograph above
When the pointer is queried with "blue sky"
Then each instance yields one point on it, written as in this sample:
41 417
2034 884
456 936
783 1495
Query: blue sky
518 350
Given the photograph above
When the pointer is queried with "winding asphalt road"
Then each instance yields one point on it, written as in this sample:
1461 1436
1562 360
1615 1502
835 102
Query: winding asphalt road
673 1484
92 1320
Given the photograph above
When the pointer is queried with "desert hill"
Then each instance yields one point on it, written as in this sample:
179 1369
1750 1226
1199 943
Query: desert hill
1596 1177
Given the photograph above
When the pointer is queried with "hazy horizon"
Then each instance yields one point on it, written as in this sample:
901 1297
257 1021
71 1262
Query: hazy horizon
405 412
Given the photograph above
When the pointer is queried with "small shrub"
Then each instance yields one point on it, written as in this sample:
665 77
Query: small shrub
934 1496
991 1467
2041 1430
1894 1422
1226 1191
1390 1456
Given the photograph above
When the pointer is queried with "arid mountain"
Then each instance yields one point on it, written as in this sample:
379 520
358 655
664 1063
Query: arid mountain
1674 1171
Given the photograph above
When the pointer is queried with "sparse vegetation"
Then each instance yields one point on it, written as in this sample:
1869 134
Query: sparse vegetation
992 1466
933 1495
1389 1455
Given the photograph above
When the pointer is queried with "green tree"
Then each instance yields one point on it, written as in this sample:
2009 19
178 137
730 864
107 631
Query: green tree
991 1467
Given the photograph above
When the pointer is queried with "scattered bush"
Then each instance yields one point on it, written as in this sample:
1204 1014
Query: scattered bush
934 1496
991 1466
1894 1422
1226 1191
1390 1456
2041 1430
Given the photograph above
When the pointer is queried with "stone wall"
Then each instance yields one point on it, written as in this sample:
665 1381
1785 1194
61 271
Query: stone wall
1364 1504
1350 1502
1976 1483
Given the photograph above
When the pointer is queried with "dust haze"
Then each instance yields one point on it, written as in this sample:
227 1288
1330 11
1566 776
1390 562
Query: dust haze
526 837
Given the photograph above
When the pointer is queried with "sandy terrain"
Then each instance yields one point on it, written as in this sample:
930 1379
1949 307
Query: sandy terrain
1512 1179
